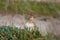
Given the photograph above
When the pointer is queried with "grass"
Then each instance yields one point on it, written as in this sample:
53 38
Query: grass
39 8
13 33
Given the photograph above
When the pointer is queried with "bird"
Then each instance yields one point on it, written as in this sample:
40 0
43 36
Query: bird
30 24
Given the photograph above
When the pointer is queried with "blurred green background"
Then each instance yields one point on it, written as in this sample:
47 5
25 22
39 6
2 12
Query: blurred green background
34 7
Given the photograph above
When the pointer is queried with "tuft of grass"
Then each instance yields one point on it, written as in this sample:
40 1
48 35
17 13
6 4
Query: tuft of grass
13 33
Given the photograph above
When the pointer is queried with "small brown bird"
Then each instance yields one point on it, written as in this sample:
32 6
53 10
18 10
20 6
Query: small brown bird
30 24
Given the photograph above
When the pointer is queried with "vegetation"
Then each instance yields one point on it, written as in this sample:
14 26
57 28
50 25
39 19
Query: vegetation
26 7
13 33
